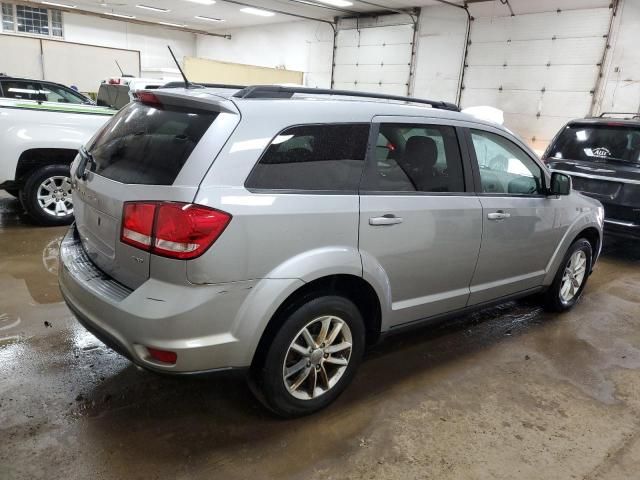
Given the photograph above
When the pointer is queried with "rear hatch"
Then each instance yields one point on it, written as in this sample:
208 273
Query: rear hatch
603 160
157 149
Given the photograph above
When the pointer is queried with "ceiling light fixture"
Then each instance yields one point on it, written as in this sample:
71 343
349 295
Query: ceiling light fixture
63 5
169 24
337 3
209 19
120 15
203 2
155 9
257 11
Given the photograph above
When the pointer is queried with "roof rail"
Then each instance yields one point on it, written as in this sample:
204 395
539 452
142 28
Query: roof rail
275 91
180 83
632 114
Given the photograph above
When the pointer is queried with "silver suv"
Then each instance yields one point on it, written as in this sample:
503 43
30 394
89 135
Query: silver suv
283 230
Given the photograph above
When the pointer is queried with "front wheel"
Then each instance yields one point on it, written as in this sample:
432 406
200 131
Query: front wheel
571 277
46 195
313 357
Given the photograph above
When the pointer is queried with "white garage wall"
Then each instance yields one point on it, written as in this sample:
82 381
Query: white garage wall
302 46
621 82
374 54
540 68
441 40
151 41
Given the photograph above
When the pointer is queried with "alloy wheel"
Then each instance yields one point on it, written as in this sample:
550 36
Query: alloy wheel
573 276
317 357
54 196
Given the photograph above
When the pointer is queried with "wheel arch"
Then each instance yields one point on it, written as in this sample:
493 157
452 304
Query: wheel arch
355 288
584 227
32 159
592 235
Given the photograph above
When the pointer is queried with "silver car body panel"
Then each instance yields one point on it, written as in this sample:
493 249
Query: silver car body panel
445 255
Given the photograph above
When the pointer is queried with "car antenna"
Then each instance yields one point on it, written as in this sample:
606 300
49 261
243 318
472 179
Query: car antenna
119 68
187 83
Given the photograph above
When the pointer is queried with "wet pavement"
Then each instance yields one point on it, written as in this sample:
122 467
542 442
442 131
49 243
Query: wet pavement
511 392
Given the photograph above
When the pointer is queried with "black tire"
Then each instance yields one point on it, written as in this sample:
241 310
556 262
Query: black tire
270 376
29 195
552 299
14 192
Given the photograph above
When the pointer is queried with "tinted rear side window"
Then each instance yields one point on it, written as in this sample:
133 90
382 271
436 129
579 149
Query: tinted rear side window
597 143
313 157
142 144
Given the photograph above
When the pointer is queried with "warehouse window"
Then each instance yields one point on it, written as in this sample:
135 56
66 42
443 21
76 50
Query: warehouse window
8 24
31 20
56 23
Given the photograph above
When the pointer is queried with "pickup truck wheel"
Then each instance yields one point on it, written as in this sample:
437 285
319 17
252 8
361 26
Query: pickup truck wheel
46 196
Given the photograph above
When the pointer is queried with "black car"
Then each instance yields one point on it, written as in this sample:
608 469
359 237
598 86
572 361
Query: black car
40 90
602 156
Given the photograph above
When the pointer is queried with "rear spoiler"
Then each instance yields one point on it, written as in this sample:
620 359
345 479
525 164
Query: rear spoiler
193 99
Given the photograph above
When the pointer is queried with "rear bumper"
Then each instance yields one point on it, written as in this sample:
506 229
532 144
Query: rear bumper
196 322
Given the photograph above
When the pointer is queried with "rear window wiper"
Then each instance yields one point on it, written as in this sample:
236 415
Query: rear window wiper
85 158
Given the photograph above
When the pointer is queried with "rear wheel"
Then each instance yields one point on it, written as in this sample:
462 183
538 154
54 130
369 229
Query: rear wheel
571 277
313 357
47 197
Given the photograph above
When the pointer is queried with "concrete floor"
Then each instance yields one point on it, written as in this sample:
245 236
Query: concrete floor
508 393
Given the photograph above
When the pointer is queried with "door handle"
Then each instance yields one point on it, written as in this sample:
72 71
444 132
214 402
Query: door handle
388 219
499 215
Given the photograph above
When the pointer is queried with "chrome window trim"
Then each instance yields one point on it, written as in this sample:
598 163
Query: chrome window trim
598 177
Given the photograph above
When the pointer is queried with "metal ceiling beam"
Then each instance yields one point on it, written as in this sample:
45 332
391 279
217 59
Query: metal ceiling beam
388 9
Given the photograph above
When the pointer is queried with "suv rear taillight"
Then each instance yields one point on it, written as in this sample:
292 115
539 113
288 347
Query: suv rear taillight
172 229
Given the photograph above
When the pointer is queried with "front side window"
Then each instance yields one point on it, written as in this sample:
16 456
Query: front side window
417 158
55 93
504 167
313 157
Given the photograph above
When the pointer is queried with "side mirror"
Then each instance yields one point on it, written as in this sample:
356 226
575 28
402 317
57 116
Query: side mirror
560 184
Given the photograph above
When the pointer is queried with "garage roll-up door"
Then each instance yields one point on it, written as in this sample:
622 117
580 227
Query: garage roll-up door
374 59
541 69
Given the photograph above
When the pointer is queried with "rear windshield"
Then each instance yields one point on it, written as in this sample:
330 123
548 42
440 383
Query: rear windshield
598 143
142 144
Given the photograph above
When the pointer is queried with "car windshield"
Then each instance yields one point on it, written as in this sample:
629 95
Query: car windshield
598 143
55 93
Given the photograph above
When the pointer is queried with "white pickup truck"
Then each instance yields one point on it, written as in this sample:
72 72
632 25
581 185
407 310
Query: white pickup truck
38 142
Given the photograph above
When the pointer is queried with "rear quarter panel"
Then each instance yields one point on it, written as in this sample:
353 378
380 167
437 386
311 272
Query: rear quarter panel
275 234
